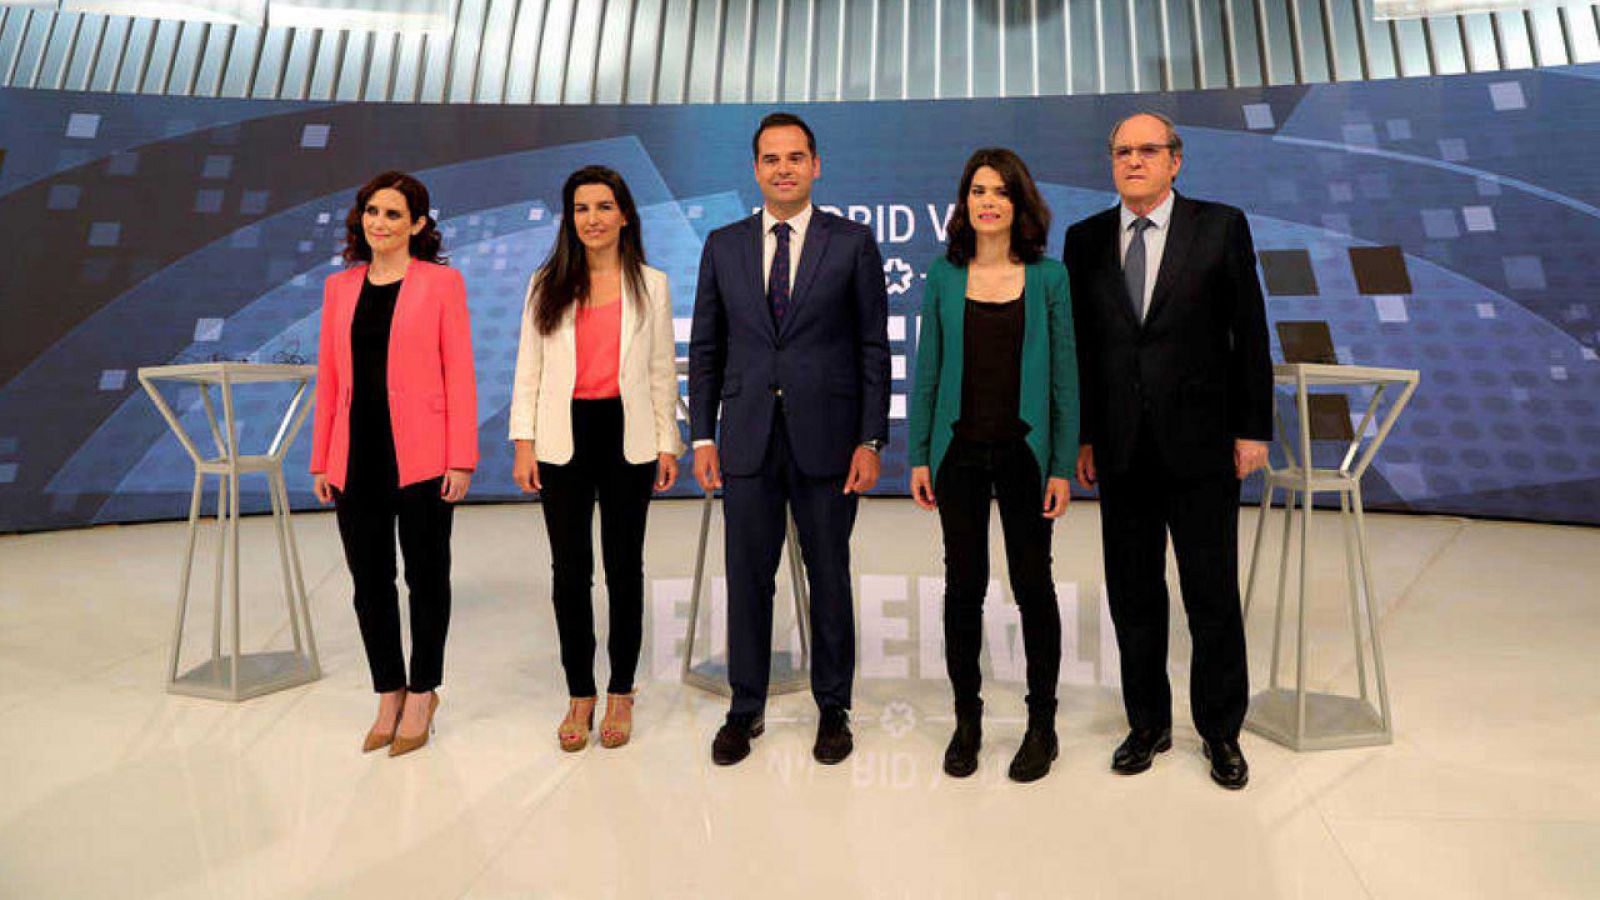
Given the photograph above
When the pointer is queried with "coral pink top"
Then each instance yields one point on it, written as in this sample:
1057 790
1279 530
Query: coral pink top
599 340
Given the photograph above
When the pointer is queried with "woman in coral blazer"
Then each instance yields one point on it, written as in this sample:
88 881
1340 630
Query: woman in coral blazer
396 438
593 415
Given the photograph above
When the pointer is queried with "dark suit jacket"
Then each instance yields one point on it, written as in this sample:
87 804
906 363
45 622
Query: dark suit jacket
1198 368
830 357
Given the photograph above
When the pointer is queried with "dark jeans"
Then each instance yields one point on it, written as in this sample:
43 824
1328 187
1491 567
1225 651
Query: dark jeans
1137 510
972 473
367 520
597 470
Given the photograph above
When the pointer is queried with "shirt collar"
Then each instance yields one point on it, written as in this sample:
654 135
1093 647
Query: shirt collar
800 221
1159 217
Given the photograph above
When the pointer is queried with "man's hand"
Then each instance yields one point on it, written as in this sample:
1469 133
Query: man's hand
864 469
922 487
1248 456
525 468
1086 476
1057 494
707 470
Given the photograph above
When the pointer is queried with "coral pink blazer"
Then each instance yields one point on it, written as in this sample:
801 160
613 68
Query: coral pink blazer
433 396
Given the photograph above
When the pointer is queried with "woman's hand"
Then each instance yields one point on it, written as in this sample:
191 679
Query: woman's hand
666 471
1057 494
525 468
321 487
922 487
455 485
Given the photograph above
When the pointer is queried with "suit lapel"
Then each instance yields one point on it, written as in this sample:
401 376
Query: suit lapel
1180 233
1115 285
629 320
754 277
811 252
411 294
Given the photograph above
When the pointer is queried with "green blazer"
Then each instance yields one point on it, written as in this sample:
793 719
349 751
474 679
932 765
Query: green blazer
1049 402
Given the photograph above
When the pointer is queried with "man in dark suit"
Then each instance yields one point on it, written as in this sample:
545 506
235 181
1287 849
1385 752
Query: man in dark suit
1177 409
791 340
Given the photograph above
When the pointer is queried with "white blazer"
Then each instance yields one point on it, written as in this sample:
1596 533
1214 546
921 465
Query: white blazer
547 369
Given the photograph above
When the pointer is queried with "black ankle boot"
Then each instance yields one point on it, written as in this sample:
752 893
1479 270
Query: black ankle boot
961 757
1039 746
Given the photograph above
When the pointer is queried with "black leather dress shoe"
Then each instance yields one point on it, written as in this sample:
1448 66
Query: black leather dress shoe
1033 759
834 742
732 743
1139 750
1228 767
961 757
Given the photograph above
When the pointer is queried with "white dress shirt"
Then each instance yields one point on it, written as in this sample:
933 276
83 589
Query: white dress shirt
1155 241
799 222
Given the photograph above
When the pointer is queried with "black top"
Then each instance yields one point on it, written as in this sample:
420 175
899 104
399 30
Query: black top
372 459
991 378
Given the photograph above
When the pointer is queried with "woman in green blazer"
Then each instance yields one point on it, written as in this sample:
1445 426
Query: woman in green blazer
994 414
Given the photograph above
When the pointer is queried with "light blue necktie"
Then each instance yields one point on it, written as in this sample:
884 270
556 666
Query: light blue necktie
1133 266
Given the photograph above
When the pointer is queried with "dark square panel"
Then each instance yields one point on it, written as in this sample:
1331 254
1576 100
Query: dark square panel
1330 417
1307 342
1380 270
1288 273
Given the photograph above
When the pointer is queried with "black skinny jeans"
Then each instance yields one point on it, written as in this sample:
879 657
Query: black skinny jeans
597 470
367 520
971 474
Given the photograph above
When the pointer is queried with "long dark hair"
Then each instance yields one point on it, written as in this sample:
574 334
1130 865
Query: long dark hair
1030 221
425 244
563 279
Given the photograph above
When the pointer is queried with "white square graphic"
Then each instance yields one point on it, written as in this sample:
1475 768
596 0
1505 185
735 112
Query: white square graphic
536 214
105 234
1453 150
682 326
1440 224
897 366
897 328
315 137
1559 373
113 379
1590 355
217 166
324 218
1258 116
8 473
1360 135
1486 311
1399 129
1507 96
83 126
897 406
1478 218
208 329
1391 309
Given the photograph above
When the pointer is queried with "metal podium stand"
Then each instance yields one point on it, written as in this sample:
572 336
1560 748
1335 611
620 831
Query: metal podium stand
236 675
1294 717
788 674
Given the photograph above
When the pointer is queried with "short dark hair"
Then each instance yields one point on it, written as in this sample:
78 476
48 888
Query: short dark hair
1030 221
781 120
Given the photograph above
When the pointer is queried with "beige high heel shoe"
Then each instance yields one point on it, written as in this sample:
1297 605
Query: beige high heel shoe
378 739
402 744
616 729
574 731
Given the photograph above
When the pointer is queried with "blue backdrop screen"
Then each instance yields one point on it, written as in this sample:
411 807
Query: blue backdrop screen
1449 225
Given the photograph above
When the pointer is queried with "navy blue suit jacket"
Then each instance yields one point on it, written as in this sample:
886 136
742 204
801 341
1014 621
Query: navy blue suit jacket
829 357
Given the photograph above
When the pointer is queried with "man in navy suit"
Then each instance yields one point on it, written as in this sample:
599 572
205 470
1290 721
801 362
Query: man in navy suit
791 341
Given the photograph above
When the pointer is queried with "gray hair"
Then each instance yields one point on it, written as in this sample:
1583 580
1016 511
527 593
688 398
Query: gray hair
1174 140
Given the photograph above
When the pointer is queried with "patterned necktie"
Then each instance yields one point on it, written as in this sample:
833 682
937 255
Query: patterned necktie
1133 266
778 276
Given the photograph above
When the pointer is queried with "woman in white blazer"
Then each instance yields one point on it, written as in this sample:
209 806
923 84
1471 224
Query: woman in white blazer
594 416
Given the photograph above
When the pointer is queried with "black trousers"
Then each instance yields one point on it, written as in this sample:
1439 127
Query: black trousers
972 474
1137 510
367 521
756 526
597 470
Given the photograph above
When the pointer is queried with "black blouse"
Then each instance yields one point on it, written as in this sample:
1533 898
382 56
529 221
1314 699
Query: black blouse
991 377
372 455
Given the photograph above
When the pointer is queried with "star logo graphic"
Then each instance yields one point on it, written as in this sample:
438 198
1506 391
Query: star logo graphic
897 275
898 718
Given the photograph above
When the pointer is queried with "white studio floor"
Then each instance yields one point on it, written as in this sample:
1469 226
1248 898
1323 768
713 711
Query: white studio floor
111 787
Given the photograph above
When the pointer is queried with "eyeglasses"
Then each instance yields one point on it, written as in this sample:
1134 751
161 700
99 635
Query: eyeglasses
1146 152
